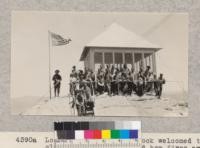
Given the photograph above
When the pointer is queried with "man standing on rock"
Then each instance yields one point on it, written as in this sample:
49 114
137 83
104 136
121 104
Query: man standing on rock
57 82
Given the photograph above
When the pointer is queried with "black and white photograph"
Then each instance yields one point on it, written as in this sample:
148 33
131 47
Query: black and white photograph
99 63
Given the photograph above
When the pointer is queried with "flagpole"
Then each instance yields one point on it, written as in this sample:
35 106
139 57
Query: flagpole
49 64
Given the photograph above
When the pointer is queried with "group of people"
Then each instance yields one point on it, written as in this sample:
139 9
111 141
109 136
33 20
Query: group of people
115 80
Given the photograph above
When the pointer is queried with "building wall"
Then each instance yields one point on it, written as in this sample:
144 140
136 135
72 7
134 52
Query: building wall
90 61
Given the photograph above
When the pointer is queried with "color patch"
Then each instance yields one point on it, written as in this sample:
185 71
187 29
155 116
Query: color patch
84 125
58 126
115 134
97 134
124 134
68 125
79 134
88 134
133 134
98 130
106 134
109 125
61 134
76 126
101 125
69 134
93 125
118 125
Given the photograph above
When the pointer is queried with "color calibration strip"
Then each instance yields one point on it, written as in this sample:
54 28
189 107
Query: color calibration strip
98 130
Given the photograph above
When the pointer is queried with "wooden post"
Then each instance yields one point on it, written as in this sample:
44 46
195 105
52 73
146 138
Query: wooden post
103 60
91 63
113 58
154 62
133 62
123 57
143 61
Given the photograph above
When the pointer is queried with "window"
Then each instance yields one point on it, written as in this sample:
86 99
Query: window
148 59
108 57
118 58
138 57
128 58
98 57
138 61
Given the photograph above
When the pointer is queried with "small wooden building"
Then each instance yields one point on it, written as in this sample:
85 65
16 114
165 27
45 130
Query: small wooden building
117 45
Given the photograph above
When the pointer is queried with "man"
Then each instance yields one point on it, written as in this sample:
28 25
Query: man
161 81
100 85
89 79
155 84
146 75
57 81
73 78
108 80
126 70
100 71
114 88
130 83
149 82
140 86
140 73
81 74
133 78
74 72
85 85
72 84
147 71
118 81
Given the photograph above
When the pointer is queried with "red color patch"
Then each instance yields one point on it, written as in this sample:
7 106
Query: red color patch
97 134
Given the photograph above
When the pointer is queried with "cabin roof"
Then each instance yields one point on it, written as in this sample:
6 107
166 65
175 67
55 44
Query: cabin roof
116 36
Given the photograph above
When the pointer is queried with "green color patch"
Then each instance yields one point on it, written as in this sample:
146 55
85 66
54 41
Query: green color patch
115 134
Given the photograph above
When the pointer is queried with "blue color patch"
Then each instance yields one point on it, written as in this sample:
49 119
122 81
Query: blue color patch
124 134
133 134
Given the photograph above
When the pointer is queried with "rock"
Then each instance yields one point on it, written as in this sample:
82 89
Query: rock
183 104
169 109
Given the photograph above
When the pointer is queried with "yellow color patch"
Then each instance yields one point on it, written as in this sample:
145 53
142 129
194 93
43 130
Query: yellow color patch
105 134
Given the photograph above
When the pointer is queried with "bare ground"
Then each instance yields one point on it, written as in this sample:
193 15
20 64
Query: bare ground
147 105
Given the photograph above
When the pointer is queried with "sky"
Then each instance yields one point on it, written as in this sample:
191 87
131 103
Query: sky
30 46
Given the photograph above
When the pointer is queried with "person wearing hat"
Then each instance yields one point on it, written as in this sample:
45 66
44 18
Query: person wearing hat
147 72
57 82
74 72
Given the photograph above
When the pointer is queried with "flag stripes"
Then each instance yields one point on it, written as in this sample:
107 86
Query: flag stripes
58 40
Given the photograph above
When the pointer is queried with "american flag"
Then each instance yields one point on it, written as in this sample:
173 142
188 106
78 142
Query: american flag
58 40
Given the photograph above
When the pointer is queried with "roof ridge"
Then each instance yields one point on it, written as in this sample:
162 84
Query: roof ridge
129 37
